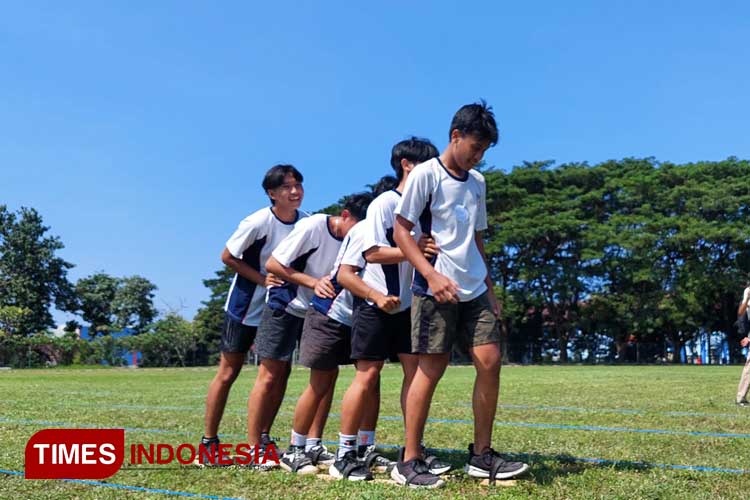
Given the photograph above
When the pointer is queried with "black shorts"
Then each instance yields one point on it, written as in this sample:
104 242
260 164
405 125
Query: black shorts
378 335
236 337
325 343
278 334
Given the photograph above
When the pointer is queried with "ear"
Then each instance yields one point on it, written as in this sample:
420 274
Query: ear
406 165
269 192
455 135
345 213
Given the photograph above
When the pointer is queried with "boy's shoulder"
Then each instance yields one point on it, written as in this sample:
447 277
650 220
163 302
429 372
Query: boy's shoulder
259 217
477 175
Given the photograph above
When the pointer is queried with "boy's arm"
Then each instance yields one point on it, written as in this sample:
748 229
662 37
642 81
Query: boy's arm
394 255
242 268
743 305
443 288
488 279
349 279
322 286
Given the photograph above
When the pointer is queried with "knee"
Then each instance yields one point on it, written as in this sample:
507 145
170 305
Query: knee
369 379
227 375
269 379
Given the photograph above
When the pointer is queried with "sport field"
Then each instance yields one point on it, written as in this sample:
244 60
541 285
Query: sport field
587 432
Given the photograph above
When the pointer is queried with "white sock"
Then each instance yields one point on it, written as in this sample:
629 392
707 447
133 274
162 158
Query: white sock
366 438
312 443
298 439
347 442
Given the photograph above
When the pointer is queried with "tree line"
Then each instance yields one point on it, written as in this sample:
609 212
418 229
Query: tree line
631 250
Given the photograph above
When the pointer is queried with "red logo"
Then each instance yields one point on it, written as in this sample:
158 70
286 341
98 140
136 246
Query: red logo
74 453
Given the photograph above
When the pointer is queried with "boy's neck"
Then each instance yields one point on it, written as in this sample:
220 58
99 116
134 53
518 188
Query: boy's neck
285 214
448 162
401 185
334 223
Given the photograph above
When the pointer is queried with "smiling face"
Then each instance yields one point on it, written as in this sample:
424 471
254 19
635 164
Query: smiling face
468 149
289 195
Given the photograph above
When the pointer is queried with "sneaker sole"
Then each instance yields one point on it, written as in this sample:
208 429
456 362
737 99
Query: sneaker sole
334 472
307 469
484 474
441 470
401 480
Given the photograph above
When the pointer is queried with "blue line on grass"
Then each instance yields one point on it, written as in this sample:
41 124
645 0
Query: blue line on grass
390 418
621 411
128 487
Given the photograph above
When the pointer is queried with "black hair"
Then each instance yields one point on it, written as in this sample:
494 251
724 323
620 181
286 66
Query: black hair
476 119
386 183
275 177
357 204
413 149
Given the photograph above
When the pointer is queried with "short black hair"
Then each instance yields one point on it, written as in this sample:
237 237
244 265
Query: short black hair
476 119
413 149
275 177
357 204
386 183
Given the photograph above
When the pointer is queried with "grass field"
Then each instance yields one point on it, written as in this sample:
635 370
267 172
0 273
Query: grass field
587 432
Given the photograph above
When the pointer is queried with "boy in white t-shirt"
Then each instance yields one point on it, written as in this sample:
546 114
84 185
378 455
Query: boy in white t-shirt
453 296
744 385
246 252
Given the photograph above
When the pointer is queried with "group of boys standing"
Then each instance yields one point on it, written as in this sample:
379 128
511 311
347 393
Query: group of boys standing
401 277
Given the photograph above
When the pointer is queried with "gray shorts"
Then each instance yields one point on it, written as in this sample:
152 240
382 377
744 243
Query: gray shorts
236 337
278 334
325 343
436 327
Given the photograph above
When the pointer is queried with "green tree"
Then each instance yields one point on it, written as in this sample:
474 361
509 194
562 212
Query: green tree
133 305
108 303
32 276
209 319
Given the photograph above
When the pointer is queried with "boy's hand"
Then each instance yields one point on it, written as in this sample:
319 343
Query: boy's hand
427 246
272 280
744 342
494 306
386 303
324 288
443 288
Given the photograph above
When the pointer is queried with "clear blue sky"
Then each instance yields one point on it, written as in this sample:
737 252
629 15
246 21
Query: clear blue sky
141 130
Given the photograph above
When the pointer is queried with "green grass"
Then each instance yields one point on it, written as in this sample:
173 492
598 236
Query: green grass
579 412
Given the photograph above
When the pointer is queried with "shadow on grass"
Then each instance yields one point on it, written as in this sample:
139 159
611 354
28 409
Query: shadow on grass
544 469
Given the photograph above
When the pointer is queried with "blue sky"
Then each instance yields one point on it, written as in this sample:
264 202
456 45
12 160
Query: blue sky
141 130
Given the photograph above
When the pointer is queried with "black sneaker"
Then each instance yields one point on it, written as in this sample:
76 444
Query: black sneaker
320 456
295 460
491 465
435 464
743 402
261 462
415 473
208 454
348 467
374 460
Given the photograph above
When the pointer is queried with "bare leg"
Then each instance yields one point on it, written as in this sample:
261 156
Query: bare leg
359 395
429 371
265 398
230 365
487 361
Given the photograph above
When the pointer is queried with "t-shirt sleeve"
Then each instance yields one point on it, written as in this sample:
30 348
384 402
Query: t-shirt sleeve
245 235
419 187
376 227
481 224
301 240
354 253
746 295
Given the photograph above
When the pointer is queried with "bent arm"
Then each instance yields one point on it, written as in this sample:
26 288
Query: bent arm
242 268
289 274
